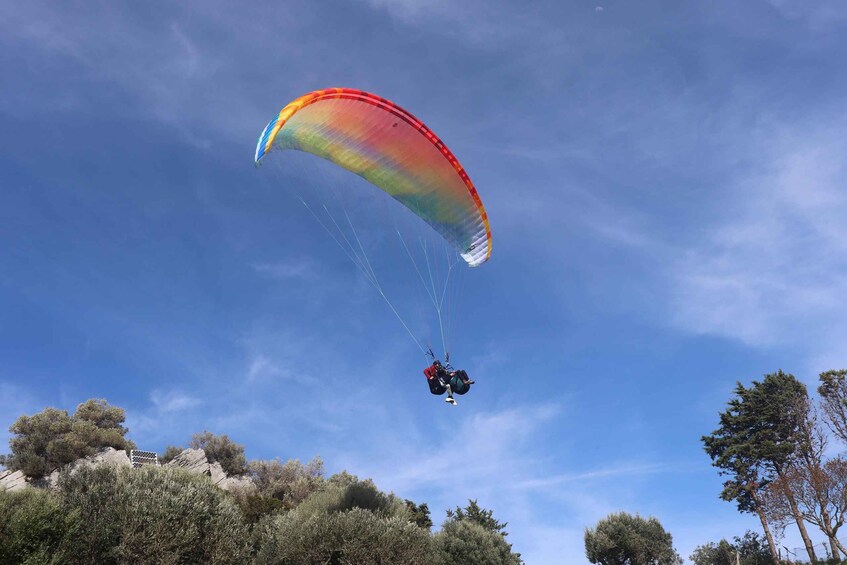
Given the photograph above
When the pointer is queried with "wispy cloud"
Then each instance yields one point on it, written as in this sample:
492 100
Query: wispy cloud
499 458
173 400
817 15
301 269
772 271
165 67
627 470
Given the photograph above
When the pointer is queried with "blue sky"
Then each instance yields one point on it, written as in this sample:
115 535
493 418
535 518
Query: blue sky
665 184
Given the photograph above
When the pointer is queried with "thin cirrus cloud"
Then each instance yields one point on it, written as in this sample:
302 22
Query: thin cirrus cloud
303 270
173 401
770 270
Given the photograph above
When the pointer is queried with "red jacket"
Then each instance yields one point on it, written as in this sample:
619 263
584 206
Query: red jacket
431 372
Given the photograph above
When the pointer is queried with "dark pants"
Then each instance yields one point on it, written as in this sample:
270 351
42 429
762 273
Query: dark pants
462 375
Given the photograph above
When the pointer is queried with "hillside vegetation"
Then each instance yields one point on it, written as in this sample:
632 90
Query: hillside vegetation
276 513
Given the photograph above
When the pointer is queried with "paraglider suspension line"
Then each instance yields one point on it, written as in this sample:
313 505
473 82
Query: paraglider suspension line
362 263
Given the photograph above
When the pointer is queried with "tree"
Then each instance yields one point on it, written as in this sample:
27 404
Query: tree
222 450
419 514
833 394
472 535
340 538
290 483
806 480
624 539
346 521
276 487
31 526
474 513
51 439
726 447
148 515
341 496
721 553
751 549
170 454
755 444
467 542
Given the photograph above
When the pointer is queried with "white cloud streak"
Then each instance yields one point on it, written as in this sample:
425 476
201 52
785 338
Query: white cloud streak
173 401
772 271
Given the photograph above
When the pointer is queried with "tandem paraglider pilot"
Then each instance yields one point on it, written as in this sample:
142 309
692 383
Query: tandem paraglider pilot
440 380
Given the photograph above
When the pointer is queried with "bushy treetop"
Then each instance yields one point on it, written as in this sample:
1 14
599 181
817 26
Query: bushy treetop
624 539
221 449
51 439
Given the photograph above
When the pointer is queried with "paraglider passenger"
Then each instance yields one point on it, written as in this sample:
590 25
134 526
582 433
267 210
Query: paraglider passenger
437 374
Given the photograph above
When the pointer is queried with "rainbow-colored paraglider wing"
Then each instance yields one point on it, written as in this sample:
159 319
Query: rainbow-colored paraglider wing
389 147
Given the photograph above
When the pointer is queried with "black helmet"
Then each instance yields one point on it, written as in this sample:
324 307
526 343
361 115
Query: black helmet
437 363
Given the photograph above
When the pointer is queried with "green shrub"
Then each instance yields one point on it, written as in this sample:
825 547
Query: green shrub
338 496
51 438
222 450
149 515
290 483
170 454
355 536
31 527
624 538
419 514
469 543
255 506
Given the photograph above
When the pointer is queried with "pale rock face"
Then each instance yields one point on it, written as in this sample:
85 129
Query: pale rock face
236 483
11 481
53 479
108 455
217 474
111 455
195 461
192 460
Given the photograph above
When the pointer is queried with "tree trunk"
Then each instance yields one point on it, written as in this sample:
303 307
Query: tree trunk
833 547
826 526
802 527
761 513
835 541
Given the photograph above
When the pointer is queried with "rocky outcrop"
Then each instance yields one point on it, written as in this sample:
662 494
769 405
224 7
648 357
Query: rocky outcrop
237 484
216 473
11 481
192 460
195 461
108 455
222 481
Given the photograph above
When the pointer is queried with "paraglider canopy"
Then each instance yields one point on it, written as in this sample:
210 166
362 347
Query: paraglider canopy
386 145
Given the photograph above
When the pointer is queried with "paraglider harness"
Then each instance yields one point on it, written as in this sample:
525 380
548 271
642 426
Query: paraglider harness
446 375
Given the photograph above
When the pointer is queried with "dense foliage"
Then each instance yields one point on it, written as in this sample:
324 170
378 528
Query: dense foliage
750 549
286 513
349 536
52 438
466 541
773 450
624 539
222 450
106 514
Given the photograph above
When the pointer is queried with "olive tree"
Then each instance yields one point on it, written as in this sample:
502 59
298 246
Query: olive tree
52 438
624 539
222 450
149 515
